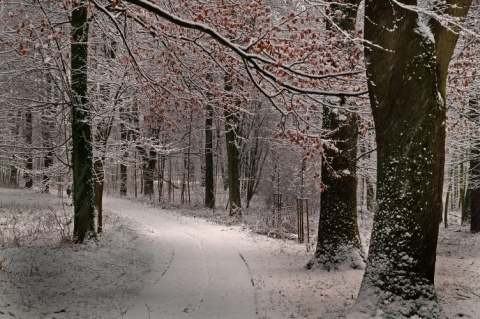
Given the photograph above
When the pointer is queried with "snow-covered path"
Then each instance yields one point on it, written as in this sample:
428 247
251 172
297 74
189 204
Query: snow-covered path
160 264
206 277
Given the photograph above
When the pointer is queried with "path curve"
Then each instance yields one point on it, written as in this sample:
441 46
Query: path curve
207 276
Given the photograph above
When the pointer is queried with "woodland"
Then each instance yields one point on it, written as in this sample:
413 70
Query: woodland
232 105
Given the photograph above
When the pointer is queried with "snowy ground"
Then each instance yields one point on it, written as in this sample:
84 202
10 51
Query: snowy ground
154 263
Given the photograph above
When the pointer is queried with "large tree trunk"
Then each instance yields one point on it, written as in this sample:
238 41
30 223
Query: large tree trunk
81 127
405 71
209 168
232 164
338 242
475 173
231 127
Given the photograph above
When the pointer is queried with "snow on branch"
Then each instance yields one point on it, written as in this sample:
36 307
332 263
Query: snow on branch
260 63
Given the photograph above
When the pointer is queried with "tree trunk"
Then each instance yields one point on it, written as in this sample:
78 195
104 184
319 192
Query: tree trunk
209 168
183 192
161 176
254 158
81 126
475 173
149 165
406 72
338 242
231 126
98 191
13 174
447 200
47 163
124 136
47 126
123 178
28 141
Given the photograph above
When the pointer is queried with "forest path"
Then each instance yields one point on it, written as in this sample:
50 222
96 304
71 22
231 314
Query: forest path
207 276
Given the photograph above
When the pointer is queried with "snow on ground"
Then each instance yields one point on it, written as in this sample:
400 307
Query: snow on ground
157 263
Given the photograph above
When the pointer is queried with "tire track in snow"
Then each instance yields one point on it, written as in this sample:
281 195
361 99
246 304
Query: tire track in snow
206 278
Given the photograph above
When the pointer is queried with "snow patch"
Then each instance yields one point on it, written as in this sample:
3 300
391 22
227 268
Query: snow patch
424 30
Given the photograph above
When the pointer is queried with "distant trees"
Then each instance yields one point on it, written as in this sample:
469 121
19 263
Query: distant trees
186 81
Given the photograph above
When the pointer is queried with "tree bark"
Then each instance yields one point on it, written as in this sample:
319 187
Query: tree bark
104 129
232 164
47 126
338 242
231 125
81 127
124 137
475 173
98 191
447 200
161 176
28 140
149 164
405 72
209 167
13 174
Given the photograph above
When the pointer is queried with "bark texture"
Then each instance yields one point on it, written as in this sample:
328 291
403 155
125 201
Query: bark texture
338 242
209 168
475 173
405 85
81 127
232 163
233 166
28 140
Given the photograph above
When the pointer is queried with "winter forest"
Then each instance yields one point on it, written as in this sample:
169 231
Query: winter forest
345 131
